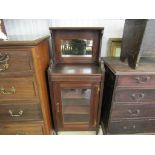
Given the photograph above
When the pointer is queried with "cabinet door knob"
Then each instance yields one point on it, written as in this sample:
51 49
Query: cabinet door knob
142 79
57 104
7 92
4 62
20 113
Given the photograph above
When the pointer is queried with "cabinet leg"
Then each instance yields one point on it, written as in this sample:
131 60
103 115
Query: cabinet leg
55 133
97 131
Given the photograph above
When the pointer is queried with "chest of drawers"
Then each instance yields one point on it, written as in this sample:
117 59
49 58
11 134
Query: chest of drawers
129 100
24 104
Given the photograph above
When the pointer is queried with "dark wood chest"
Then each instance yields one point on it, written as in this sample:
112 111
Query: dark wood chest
24 103
129 100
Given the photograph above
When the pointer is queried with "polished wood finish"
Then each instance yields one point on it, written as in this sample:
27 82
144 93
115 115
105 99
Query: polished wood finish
133 127
128 101
20 112
74 77
76 82
20 60
22 129
23 88
23 40
69 33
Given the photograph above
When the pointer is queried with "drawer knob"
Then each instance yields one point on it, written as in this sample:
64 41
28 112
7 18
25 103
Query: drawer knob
7 92
134 112
142 79
4 62
138 97
19 114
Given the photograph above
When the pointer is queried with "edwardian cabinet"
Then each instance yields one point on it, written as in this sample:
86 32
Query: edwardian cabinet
129 100
75 79
24 102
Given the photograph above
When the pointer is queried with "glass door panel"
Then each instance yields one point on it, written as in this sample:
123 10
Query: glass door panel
76 105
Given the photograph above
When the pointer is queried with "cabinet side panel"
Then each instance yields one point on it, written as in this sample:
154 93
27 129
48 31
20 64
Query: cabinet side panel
41 62
109 84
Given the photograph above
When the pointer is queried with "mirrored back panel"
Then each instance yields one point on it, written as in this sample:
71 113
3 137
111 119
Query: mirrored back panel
76 45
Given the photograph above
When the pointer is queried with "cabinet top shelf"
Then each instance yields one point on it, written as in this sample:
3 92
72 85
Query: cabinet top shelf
71 69
146 65
23 40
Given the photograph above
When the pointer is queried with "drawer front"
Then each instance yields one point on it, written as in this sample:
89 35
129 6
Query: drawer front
21 129
134 111
15 60
134 95
136 80
132 127
20 112
18 89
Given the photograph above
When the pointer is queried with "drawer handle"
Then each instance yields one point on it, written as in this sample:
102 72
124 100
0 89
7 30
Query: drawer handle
4 62
142 79
125 127
7 92
138 97
134 112
20 113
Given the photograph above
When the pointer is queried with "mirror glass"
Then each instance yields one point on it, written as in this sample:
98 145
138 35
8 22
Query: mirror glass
76 47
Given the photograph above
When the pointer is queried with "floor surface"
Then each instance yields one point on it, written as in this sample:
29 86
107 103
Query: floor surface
80 132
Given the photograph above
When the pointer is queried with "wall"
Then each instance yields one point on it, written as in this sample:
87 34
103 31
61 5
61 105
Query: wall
112 28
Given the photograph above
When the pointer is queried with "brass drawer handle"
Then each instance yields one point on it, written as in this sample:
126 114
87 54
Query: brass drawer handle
4 62
138 97
20 113
142 79
125 127
134 112
7 92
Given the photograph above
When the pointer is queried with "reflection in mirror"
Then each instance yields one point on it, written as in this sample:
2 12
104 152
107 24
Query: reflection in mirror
76 47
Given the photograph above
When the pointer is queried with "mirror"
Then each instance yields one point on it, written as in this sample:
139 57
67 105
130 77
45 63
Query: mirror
76 47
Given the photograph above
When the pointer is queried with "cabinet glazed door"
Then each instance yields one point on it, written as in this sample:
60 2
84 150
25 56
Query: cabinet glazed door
76 105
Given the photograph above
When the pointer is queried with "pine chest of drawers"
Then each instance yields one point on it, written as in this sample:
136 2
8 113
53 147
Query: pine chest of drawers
129 98
24 104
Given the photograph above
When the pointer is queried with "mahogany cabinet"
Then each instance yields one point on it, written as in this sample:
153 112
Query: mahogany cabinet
76 79
24 102
128 99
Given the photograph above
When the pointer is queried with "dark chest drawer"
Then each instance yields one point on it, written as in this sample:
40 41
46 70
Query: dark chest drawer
15 60
24 129
20 112
132 111
132 127
134 95
136 81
